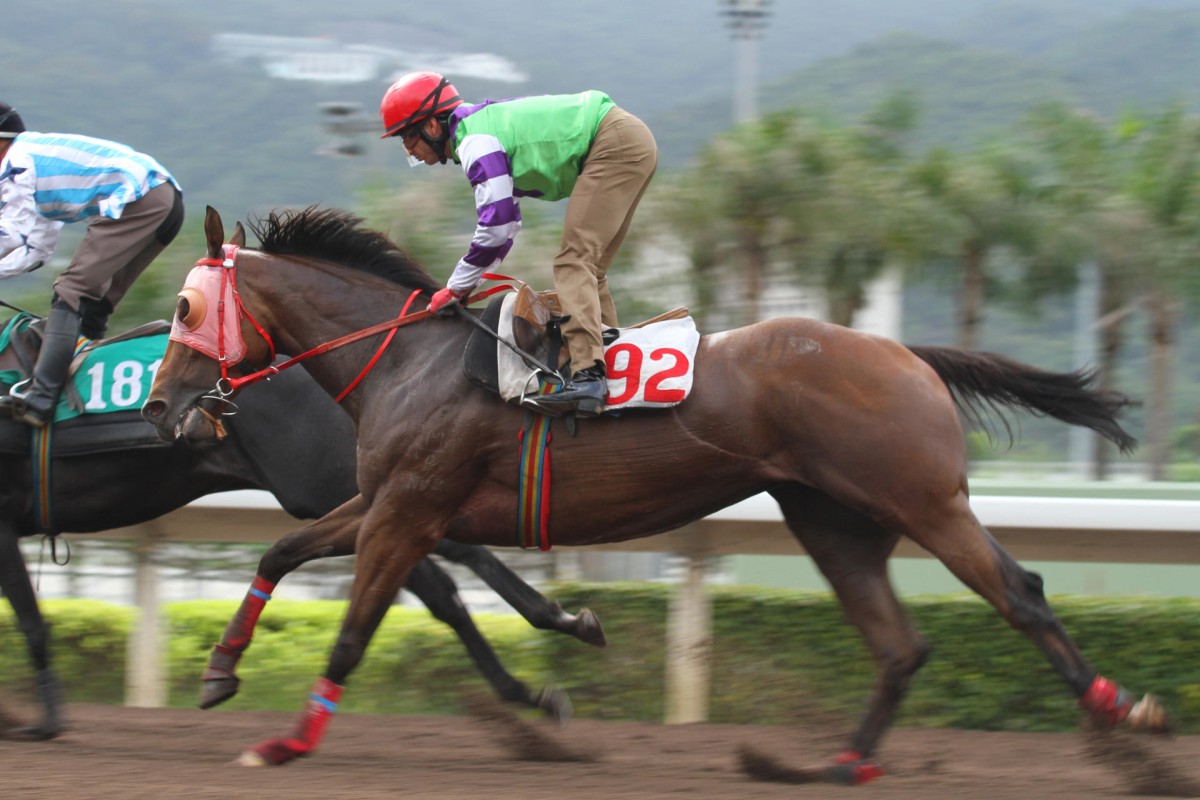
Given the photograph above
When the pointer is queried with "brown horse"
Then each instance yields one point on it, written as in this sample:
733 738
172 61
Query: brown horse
856 436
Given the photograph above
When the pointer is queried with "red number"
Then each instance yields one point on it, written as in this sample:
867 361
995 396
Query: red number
631 373
654 391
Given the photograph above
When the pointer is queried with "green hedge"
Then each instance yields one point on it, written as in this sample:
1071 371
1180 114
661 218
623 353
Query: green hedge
778 657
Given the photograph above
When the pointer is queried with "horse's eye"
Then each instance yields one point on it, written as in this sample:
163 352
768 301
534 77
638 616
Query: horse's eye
190 309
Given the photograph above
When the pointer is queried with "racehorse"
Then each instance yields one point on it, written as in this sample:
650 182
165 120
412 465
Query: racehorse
288 438
857 437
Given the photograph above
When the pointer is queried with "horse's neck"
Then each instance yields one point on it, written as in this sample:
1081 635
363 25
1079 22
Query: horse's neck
333 312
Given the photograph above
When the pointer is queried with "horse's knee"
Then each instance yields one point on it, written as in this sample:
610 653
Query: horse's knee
1027 607
434 587
289 553
896 669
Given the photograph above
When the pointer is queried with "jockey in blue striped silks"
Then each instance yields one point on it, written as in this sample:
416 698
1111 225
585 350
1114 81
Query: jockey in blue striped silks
133 209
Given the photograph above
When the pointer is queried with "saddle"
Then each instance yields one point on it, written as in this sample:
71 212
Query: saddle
533 324
106 414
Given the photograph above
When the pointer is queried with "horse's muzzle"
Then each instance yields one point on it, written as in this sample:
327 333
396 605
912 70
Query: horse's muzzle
196 426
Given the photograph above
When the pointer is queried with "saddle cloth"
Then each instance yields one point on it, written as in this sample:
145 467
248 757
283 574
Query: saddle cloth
100 407
649 365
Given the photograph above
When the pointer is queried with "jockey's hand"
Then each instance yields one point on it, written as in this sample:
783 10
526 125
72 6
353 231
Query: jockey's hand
444 300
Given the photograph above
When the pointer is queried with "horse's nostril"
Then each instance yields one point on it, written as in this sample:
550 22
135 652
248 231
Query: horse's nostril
152 410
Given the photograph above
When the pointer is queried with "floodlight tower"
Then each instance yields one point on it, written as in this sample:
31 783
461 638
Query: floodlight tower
746 20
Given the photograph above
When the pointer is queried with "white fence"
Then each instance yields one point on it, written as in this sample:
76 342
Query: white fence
1030 528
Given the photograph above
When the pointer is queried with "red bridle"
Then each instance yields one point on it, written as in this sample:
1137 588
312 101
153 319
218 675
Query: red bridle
227 386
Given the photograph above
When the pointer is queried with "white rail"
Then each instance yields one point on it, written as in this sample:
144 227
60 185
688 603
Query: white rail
1066 529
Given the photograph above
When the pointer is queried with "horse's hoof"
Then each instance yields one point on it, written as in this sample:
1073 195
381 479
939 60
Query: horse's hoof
855 773
587 628
1148 715
556 703
32 733
217 690
273 753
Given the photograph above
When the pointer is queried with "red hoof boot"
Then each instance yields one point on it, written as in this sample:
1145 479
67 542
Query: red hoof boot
1106 701
851 769
274 752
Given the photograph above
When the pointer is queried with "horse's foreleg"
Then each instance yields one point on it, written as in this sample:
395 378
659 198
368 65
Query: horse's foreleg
332 535
852 553
16 586
437 591
982 564
386 554
538 611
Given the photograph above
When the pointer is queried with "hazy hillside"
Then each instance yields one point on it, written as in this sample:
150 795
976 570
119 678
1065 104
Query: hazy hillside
144 71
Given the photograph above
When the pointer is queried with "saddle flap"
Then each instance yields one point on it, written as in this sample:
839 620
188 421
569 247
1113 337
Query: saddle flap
531 313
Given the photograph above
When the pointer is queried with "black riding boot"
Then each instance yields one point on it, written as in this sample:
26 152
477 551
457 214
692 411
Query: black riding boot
95 314
35 405
584 394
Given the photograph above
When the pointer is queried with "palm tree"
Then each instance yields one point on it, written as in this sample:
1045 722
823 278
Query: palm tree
1164 180
983 202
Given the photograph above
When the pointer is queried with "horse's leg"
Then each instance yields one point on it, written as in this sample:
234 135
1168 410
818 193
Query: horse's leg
15 583
387 550
332 535
531 604
958 539
437 591
852 553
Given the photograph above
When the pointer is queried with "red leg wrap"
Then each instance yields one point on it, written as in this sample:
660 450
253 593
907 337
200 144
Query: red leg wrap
1106 700
322 702
241 628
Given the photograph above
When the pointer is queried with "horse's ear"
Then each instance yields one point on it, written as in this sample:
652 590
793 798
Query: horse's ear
239 235
214 232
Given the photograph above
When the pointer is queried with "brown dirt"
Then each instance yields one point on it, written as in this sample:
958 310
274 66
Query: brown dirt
125 753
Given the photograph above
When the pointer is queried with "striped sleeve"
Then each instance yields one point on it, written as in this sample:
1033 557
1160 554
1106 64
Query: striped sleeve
27 239
487 167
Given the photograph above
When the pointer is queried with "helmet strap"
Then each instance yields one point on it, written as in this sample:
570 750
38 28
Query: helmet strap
438 144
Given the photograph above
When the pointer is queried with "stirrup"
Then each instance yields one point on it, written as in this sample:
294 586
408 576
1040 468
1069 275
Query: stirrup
532 401
20 389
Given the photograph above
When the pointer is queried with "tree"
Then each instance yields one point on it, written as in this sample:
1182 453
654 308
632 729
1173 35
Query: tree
982 202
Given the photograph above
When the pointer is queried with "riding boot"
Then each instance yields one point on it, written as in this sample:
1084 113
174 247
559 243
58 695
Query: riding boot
95 314
35 406
584 394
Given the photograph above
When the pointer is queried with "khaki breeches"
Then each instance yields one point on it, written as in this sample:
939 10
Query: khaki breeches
615 174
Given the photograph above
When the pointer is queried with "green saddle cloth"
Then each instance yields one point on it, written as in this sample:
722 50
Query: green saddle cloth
111 377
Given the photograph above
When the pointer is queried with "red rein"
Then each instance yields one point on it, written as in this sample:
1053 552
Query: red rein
227 385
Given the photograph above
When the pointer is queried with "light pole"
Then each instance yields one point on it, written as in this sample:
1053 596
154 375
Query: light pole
746 20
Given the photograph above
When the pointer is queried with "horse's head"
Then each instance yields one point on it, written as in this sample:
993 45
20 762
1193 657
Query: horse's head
210 335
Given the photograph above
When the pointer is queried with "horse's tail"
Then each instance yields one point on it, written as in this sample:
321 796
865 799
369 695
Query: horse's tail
979 381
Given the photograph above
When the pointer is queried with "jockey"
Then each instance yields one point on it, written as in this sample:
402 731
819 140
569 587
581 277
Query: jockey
134 209
580 146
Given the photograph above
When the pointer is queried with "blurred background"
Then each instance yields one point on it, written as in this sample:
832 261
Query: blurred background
1020 177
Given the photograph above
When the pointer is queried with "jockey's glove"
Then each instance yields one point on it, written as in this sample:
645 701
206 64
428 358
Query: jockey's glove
444 300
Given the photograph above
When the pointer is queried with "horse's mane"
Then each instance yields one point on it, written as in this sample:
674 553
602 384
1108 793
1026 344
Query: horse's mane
332 234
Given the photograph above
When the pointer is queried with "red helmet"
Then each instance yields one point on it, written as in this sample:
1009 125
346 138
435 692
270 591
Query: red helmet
415 98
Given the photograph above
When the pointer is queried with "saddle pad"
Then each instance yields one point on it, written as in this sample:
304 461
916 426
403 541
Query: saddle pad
648 367
84 435
107 377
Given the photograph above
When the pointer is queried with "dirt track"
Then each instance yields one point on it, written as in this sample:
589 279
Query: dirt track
119 753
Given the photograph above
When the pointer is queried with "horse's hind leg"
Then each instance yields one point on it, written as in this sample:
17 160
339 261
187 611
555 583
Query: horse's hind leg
958 539
528 602
437 591
332 535
852 553
16 586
